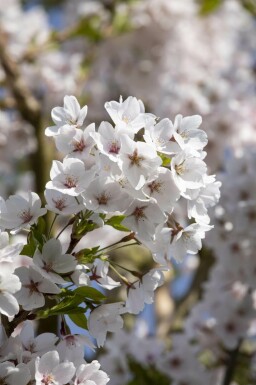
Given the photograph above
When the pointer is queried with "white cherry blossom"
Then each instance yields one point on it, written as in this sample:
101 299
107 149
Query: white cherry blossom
77 144
187 240
62 204
142 291
69 177
105 318
52 262
80 276
161 137
188 171
129 115
163 189
104 196
9 254
4 239
90 374
108 140
69 117
100 275
36 344
9 285
71 347
13 375
139 161
50 371
20 211
187 133
143 217
199 200
34 286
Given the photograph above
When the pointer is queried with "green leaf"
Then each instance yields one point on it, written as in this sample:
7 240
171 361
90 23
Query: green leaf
79 319
115 222
84 227
165 160
250 6
121 23
64 307
85 256
29 249
89 28
90 293
36 238
71 301
208 6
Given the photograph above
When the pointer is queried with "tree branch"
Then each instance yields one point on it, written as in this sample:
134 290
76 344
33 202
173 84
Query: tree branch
231 366
29 109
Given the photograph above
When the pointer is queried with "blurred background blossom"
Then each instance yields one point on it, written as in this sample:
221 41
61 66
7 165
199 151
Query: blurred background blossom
189 57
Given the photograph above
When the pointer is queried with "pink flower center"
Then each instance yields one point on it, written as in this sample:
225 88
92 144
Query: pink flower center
25 216
32 286
47 379
48 266
135 158
155 187
114 148
103 199
138 213
79 146
70 182
60 203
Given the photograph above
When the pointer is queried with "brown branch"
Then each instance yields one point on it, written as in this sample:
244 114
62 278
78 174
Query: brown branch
231 365
183 305
7 103
28 106
10 326
29 109
164 306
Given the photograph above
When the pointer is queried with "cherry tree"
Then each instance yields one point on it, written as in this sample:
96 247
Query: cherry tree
101 207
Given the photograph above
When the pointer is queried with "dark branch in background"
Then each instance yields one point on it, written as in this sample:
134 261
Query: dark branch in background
231 365
9 327
7 103
29 109
195 291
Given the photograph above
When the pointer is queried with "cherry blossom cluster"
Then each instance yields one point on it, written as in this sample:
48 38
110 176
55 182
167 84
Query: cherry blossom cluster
223 321
229 295
140 168
157 62
178 365
123 181
46 359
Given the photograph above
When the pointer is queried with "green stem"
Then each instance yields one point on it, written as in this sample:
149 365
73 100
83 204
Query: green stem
50 230
124 279
135 273
117 248
64 228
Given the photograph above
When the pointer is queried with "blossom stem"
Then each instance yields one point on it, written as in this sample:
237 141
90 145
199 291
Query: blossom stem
64 228
50 229
124 279
135 273
117 248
